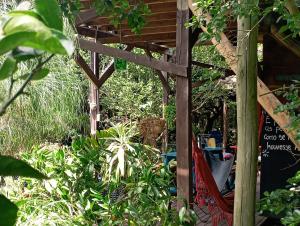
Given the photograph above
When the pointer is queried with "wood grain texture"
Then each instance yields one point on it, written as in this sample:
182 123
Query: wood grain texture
183 107
138 59
247 121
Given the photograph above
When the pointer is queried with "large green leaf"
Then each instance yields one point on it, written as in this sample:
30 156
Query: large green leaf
34 40
42 73
10 166
23 22
8 68
50 12
8 212
25 12
64 41
26 30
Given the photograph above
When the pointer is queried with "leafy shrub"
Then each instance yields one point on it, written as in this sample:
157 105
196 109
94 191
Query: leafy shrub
87 187
284 202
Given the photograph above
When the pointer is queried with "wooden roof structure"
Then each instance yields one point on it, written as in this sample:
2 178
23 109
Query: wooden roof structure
165 33
158 35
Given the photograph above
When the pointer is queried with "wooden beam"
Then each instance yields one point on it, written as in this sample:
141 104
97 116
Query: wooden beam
287 42
150 30
107 37
225 124
89 3
104 21
94 94
94 33
154 23
138 59
183 107
88 71
86 16
149 37
166 93
268 100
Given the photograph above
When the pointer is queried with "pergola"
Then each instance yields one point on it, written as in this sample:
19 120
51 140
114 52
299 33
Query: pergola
164 33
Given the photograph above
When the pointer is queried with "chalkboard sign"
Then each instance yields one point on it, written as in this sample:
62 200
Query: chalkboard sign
279 157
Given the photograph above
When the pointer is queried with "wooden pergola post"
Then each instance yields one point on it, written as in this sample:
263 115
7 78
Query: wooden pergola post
225 124
247 119
183 106
94 94
165 103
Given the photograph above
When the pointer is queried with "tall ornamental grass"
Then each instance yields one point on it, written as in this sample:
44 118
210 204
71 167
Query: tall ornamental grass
53 110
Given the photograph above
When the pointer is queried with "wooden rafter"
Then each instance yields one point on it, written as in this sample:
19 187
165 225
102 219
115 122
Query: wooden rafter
149 37
94 33
81 62
154 23
287 42
98 82
138 59
102 21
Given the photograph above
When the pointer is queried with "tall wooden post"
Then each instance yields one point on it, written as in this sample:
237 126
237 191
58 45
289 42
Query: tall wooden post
247 125
165 103
225 124
94 94
183 107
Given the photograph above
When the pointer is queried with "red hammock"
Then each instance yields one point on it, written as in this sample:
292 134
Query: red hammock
207 193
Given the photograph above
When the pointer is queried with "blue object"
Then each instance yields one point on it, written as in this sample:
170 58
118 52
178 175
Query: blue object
169 157
211 149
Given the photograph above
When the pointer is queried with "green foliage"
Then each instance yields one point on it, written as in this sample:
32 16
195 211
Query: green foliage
34 30
121 10
10 166
8 210
29 37
50 13
219 17
170 114
80 193
292 106
284 202
8 68
133 94
53 111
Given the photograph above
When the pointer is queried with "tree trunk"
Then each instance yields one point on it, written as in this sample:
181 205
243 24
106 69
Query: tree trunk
247 126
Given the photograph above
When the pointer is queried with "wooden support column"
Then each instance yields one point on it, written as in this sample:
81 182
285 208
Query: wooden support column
183 107
225 124
247 119
165 103
94 94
